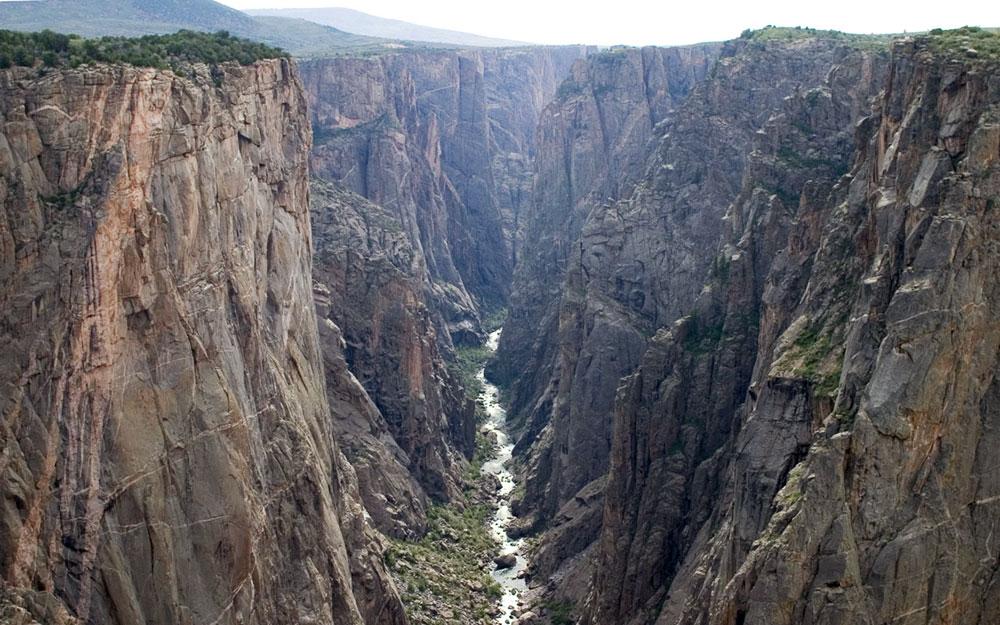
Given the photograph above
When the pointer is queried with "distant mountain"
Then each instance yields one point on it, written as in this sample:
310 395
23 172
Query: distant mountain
92 18
364 24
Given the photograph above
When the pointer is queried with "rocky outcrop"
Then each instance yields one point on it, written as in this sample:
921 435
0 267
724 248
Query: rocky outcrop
808 446
167 450
592 141
415 426
420 163
639 263
700 367
444 141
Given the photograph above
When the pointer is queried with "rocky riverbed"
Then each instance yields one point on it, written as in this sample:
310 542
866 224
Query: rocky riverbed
510 564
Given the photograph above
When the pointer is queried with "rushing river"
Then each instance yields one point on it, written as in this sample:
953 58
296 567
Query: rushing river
496 422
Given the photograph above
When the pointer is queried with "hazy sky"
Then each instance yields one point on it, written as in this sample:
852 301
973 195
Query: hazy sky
640 22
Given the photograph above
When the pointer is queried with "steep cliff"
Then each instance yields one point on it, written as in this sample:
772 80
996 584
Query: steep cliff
444 141
592 141
809 445
380 346
639 263
420 165
167 450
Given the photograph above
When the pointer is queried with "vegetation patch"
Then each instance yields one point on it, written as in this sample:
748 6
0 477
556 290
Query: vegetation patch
494 319
468 361
559 612
485 449
787 197
702 337
720 269
65 200
969 43
845 417
443 577
611 56
802 161
172 51
816 357
799 33
791 492
569 88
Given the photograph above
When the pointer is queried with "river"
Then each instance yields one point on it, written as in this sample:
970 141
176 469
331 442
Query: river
496 423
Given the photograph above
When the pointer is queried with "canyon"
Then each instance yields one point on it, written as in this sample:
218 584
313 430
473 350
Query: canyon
742 299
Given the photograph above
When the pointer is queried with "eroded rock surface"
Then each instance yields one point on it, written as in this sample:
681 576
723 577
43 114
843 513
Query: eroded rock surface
414 426
445 142
167 449
808 446
638 263
422 164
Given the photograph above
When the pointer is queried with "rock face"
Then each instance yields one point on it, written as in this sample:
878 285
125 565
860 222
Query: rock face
809 444
591 144
167 451
444 141
422 164
752 352
638 264
380 346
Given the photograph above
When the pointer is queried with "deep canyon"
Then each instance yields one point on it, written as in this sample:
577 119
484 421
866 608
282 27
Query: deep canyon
695 335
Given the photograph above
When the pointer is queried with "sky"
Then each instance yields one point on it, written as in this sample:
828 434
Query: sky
664 22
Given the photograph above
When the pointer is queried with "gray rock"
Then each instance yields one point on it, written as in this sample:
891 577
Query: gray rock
506 561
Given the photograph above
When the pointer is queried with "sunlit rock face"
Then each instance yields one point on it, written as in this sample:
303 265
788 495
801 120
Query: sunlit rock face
167 454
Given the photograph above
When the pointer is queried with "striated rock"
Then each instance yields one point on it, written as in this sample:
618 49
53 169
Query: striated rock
673 418
592 142
806 447
444 141
884 514
167 450
421 162
379 343
638 264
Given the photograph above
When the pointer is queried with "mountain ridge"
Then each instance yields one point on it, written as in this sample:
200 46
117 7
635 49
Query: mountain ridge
131 18
361 23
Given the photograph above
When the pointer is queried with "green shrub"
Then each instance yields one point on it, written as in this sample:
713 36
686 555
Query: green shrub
797 33
448 566
971 43
160 51
560 612
468 361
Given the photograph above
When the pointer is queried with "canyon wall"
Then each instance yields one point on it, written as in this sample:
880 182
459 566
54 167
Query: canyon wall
856 483
421 167
702 364
168 454
635 264
379 339
751 352
444 140
592 141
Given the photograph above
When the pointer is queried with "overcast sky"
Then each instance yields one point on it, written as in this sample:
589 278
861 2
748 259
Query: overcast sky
639 22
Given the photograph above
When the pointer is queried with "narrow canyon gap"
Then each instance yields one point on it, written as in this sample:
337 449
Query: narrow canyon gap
401 334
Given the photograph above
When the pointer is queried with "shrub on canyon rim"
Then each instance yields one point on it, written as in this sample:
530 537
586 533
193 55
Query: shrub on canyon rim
52 49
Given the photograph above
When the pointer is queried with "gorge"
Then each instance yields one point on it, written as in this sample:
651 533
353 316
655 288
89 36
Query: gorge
699 335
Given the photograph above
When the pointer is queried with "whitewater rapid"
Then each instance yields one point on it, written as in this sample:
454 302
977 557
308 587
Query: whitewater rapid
510 580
